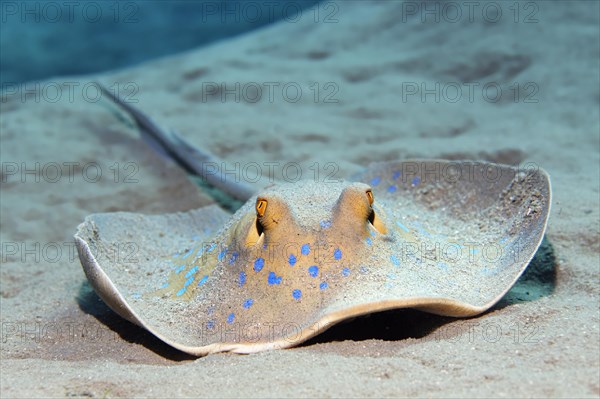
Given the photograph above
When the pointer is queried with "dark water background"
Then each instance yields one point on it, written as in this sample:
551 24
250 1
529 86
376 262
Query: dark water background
43 39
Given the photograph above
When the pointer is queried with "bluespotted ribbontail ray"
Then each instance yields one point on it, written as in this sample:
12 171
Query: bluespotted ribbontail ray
445 237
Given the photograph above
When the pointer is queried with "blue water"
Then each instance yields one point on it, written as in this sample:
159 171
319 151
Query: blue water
42 39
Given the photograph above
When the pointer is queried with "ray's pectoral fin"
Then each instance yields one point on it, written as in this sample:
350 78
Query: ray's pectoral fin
466 231
126 256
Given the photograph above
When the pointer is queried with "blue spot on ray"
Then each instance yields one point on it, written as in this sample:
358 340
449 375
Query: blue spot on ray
210 325
325 224
187 254
192 271
179 269
189 281
416 181
369 241
420 228
396 175
375 181
248 302
233 258
273 279
292 260
222 255
305 249
391 189
403 227
395 260
202 280
230 318
345 272
242 279
181 291
258 264
297 294
337 254
313 271
323 285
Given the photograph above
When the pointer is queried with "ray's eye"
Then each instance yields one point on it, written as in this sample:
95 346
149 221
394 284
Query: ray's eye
261 207
371 200
370 196
373 219
256 233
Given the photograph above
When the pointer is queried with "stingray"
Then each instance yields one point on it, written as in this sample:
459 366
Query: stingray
445 237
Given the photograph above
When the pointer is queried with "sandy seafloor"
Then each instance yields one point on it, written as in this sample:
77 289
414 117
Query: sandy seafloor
541 340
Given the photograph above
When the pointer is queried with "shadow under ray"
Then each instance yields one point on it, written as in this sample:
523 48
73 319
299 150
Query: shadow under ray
90 303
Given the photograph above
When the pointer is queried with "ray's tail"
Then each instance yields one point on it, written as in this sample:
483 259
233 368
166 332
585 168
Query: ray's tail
193 160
